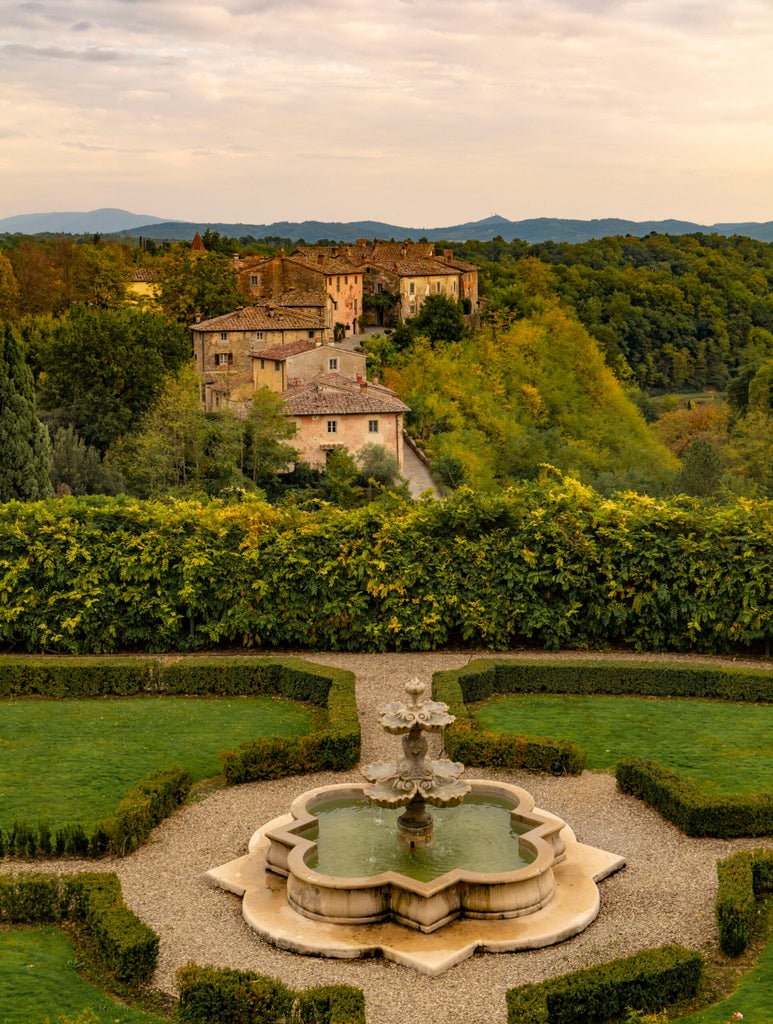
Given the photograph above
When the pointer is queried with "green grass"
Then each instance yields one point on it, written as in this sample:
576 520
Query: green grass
753 997
71 761
726 748
39 983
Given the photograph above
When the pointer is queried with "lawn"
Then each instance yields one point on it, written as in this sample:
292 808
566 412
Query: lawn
727 748
71 761
39 982
753 997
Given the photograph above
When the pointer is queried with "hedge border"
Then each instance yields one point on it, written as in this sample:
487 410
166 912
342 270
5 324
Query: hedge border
128 947
335 747
743 879
677 799
243 997
647 981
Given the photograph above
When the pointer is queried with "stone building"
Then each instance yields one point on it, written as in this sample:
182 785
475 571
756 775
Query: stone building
284 365
335 412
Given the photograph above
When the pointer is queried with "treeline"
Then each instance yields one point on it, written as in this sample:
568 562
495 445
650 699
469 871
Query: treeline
670 313
549 563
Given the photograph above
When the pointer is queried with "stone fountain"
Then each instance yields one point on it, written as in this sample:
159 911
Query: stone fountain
341 875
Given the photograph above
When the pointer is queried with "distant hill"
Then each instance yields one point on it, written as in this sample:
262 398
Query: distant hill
106 221
539 229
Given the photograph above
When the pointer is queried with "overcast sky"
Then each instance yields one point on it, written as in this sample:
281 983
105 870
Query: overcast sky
420 113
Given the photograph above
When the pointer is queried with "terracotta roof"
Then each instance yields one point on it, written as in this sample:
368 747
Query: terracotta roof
334 395
426 267
281 352
263 317
140 274
402 250
324 262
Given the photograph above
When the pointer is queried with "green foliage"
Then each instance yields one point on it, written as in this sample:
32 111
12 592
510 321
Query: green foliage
553 564
243 997
701 472
744 878
687 806
77 468
267 432
197 284
495 408
647 981
143 807
440 319
24 442
128 947
99 370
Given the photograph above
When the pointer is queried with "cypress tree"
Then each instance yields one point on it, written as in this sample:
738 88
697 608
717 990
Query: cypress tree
25 450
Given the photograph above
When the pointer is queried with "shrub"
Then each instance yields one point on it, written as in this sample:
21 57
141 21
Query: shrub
696 813
743 879
128 947
647 981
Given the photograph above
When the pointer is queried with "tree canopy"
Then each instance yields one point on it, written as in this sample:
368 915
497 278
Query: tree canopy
24 442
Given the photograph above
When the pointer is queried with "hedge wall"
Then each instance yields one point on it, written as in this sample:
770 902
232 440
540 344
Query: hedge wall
335 747
547 563
647 981
126 945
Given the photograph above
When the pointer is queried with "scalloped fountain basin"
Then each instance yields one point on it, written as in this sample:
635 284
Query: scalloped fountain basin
507 876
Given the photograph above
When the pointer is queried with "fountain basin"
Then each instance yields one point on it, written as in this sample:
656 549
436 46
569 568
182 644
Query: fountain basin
422 905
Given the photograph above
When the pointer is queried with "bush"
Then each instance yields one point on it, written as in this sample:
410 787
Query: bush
743 879
243 997
696 813
128 947
647 981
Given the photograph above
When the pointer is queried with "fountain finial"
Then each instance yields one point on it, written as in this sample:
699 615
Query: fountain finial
415 780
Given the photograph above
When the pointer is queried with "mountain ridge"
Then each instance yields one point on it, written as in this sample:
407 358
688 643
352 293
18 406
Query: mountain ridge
121 223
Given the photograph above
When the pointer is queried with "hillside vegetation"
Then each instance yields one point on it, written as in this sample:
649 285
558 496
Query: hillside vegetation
494 407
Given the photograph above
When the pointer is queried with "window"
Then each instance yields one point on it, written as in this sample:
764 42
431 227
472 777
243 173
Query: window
380 287
346 279
332 426
254 280
278 365
412 308
224 358
412 288
311 335
259 335
263 364
335 304
224 335
355 307
372 426
338 284
437 286
332 364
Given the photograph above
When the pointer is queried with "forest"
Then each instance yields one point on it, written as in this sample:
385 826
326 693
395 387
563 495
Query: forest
631 364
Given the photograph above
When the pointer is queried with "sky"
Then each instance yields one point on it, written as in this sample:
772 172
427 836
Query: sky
421 113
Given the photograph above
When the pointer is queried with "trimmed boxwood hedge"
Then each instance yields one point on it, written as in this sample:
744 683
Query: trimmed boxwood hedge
647 981
696 813
743 879
243 997
335 747
127 946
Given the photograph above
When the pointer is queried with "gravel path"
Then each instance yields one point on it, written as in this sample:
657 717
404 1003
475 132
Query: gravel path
665 893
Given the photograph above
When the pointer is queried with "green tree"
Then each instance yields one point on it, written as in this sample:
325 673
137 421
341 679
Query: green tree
440 319
9 289
24 441
267 432
379 472
197 285
99 370
77 468
165 454
701 472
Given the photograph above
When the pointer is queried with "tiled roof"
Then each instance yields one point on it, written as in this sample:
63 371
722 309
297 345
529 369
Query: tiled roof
334 395
281 352
402 250
324 262
264 317
422 267
140 274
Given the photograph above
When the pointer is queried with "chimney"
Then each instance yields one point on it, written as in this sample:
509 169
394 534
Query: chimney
359 378
375 378
281 254
320 257
363 386
448 255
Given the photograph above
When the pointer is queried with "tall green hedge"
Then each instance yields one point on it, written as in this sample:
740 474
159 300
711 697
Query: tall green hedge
743 879
548 563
